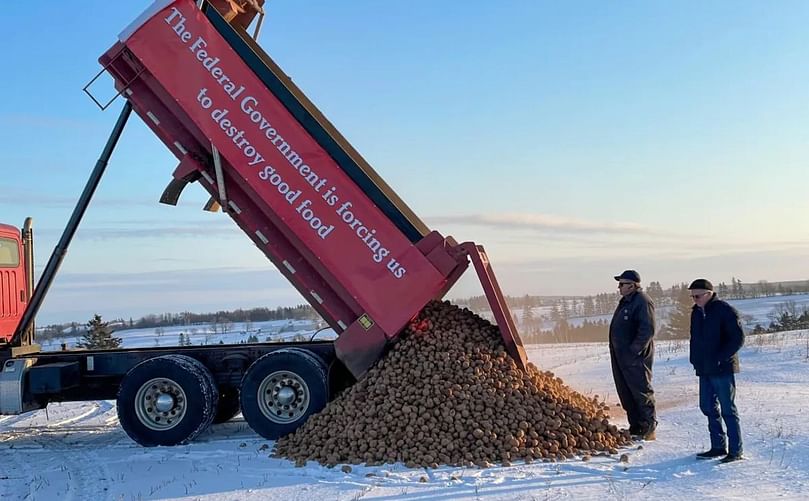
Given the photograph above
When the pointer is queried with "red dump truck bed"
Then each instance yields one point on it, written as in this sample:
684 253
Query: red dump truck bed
331 225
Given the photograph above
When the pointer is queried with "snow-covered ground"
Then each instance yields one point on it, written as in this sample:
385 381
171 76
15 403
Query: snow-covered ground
76 451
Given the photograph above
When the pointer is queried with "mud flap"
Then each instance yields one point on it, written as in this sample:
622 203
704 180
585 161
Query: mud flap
360 346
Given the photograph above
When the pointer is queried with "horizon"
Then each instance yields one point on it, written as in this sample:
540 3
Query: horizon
573 141
142 316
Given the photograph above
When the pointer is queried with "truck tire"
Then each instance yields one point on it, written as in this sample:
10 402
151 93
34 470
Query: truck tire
167 400
281 390
228 406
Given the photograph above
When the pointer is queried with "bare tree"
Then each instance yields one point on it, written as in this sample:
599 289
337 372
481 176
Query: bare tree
210 331
225 325
158 332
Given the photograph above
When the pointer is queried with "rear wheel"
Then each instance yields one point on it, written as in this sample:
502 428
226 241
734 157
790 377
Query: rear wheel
167 400
281 390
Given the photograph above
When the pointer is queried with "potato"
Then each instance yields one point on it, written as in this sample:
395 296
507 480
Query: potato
447 393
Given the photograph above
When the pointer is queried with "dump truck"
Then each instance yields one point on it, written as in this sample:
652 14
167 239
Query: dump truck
273 163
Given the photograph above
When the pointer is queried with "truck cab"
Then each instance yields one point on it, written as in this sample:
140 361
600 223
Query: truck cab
13 281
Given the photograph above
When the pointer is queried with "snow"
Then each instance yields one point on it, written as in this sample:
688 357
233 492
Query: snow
75 451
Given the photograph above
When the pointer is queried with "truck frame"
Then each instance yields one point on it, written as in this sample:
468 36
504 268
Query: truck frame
271 161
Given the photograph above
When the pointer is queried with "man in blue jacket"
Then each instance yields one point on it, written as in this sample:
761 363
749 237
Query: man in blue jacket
716 338
632 353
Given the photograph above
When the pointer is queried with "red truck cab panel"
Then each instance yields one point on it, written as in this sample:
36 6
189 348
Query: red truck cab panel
12 281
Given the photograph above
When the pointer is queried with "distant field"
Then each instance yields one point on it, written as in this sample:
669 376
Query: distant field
206 334
754 311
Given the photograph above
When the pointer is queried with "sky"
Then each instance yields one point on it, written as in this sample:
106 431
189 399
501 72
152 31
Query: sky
572 139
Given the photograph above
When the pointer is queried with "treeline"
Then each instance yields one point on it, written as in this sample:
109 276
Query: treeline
561 312
561 307
567 307
300 312
219 318
589 331
786 317
762 288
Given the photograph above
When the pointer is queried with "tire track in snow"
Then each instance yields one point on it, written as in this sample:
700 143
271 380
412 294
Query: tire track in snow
12 420
85 428
98 408
65 439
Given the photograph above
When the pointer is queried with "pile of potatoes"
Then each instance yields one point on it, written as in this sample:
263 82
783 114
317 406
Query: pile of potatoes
448 393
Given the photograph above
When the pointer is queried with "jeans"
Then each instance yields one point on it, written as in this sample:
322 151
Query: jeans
717 392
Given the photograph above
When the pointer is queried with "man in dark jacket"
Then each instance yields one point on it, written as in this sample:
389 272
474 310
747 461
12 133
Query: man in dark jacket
716 338
632 354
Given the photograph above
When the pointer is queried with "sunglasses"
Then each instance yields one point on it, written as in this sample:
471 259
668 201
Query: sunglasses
621 284
697 296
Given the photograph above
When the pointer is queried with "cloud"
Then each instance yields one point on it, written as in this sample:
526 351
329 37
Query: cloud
77 296
59 123
593 274
16 197
154 228
579 237
188 278
545 223
60 202
214 229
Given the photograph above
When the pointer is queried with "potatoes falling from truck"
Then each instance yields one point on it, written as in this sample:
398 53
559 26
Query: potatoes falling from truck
448 393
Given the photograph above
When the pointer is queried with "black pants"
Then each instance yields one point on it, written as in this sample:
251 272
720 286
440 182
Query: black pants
633 381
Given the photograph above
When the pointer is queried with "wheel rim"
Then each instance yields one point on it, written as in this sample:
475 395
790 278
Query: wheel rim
283 397
160 404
